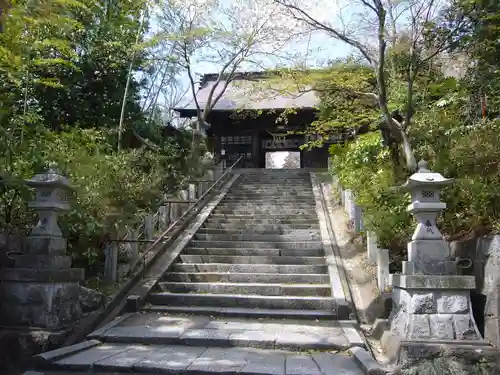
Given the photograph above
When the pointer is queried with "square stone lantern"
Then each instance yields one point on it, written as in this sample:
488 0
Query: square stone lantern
427 252
42 289
431 302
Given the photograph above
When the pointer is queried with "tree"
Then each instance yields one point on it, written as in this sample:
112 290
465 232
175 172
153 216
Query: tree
479 46
402 49
292 161
70 61
270 161
243 34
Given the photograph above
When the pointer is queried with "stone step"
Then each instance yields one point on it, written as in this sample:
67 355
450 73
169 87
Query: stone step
228 259
263 221
259 251
266 206
256 193
309 213
241 312
270 216
257 244
256 237
277 228
273 179
251 230
268 209
267 200
253 211
261 289
270 190
195 330
128 357
292 278
305 195
251 268
306 202
239 300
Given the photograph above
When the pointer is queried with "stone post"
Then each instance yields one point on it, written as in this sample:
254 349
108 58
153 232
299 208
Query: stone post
382 269
41 289
371 246
148 227
111 262
192 192
431 302
162 218
358 219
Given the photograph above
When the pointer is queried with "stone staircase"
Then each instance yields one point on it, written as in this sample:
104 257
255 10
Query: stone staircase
260 249
249 294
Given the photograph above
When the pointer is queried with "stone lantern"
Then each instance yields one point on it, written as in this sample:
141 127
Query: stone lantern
42 289
424 187
51 200
431 302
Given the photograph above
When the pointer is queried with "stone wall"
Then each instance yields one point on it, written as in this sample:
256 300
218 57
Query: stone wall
484 264
9 243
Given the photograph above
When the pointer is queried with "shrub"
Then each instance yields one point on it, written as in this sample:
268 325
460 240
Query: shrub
470 154
109 187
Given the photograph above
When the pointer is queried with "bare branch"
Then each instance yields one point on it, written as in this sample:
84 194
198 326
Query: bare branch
305 17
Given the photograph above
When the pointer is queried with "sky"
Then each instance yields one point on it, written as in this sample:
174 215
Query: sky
316 48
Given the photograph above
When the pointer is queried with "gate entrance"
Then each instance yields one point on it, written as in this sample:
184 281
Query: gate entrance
283 160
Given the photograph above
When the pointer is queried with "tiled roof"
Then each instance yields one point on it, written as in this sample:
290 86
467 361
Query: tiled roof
256 92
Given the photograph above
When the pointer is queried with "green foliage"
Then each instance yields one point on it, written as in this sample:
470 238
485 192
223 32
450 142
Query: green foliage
447 129
63 69
440 134
346 91
110 188
364 167
70 59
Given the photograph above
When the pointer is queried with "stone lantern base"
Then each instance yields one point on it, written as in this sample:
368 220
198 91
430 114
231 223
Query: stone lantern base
39 297
430 313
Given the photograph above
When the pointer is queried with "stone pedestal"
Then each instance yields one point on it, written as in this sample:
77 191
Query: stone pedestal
431 302
433 307
41 290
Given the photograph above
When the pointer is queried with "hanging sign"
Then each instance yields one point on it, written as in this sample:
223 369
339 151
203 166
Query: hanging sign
277 144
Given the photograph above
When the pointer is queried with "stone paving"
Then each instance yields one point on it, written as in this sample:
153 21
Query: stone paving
204 360
153 328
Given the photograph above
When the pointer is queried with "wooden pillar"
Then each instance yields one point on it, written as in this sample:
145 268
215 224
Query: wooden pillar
304 154
256 149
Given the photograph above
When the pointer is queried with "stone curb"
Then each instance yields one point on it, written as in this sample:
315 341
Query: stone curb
57 354
140 291
120 299
334 266
102 330
352 334
366 362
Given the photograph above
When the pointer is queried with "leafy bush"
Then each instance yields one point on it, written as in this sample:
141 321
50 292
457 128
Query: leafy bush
364 167
109 187
467 152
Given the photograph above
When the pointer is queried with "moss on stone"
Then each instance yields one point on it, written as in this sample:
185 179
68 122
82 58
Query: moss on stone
451 365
